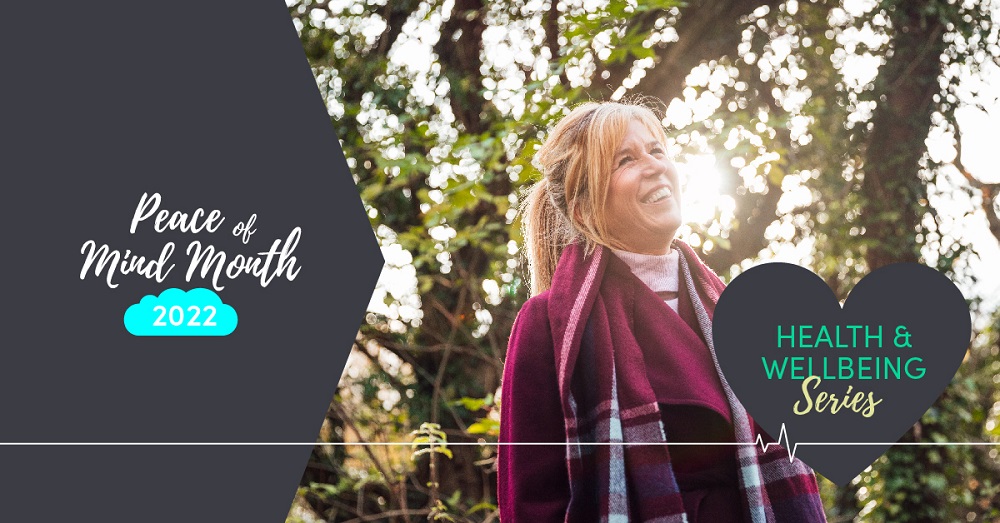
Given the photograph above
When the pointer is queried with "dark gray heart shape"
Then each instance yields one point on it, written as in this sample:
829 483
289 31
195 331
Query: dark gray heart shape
745 332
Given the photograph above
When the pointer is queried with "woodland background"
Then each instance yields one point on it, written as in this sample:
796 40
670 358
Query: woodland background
832 131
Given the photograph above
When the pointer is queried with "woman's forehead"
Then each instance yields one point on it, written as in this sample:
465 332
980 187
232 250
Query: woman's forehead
638 133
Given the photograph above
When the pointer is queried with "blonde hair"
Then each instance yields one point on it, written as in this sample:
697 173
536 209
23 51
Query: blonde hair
568 204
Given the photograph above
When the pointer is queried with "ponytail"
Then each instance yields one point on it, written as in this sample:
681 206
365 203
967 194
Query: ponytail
546 233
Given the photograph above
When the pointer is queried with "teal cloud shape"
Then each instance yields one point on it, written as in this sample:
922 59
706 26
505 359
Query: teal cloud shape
197 312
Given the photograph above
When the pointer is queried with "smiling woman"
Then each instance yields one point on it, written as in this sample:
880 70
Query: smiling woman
643 200
613 353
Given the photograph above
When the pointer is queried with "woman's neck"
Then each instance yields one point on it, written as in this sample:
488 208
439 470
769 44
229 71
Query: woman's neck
660 272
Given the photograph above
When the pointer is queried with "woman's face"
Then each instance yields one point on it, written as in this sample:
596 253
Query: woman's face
644 197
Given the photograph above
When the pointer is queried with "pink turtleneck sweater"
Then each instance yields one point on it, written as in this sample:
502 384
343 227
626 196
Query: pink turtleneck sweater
660 272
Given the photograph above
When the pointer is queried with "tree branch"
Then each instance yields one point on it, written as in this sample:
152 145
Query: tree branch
551 24
989 191
705 30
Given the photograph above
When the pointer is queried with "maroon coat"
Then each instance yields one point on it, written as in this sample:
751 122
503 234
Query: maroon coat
533 483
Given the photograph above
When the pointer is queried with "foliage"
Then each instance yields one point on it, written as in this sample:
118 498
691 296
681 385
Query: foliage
440 106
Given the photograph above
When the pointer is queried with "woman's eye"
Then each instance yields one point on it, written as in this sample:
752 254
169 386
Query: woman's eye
624 160
656 150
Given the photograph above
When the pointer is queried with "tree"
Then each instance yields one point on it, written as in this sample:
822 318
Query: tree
440 105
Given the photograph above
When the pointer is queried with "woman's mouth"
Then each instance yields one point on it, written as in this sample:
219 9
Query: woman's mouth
659 195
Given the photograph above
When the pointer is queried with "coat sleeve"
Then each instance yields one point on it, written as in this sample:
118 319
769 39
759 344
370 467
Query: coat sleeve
533 484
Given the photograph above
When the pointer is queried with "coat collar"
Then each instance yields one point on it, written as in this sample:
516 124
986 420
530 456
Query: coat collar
576 284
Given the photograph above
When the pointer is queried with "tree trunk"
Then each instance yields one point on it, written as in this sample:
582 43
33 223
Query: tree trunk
894 202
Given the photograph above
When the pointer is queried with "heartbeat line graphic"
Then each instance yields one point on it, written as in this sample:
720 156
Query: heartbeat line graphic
782 435
792 448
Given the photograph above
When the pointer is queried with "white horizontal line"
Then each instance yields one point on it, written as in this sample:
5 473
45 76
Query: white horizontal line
455 444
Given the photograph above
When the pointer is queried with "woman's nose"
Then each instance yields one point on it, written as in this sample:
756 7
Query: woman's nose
653 166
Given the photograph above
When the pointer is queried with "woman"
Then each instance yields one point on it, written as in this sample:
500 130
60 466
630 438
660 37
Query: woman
615 347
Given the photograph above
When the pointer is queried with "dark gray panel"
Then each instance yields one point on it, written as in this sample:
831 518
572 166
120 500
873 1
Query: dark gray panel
213 105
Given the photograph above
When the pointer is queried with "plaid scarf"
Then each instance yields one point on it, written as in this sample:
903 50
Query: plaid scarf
606 398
